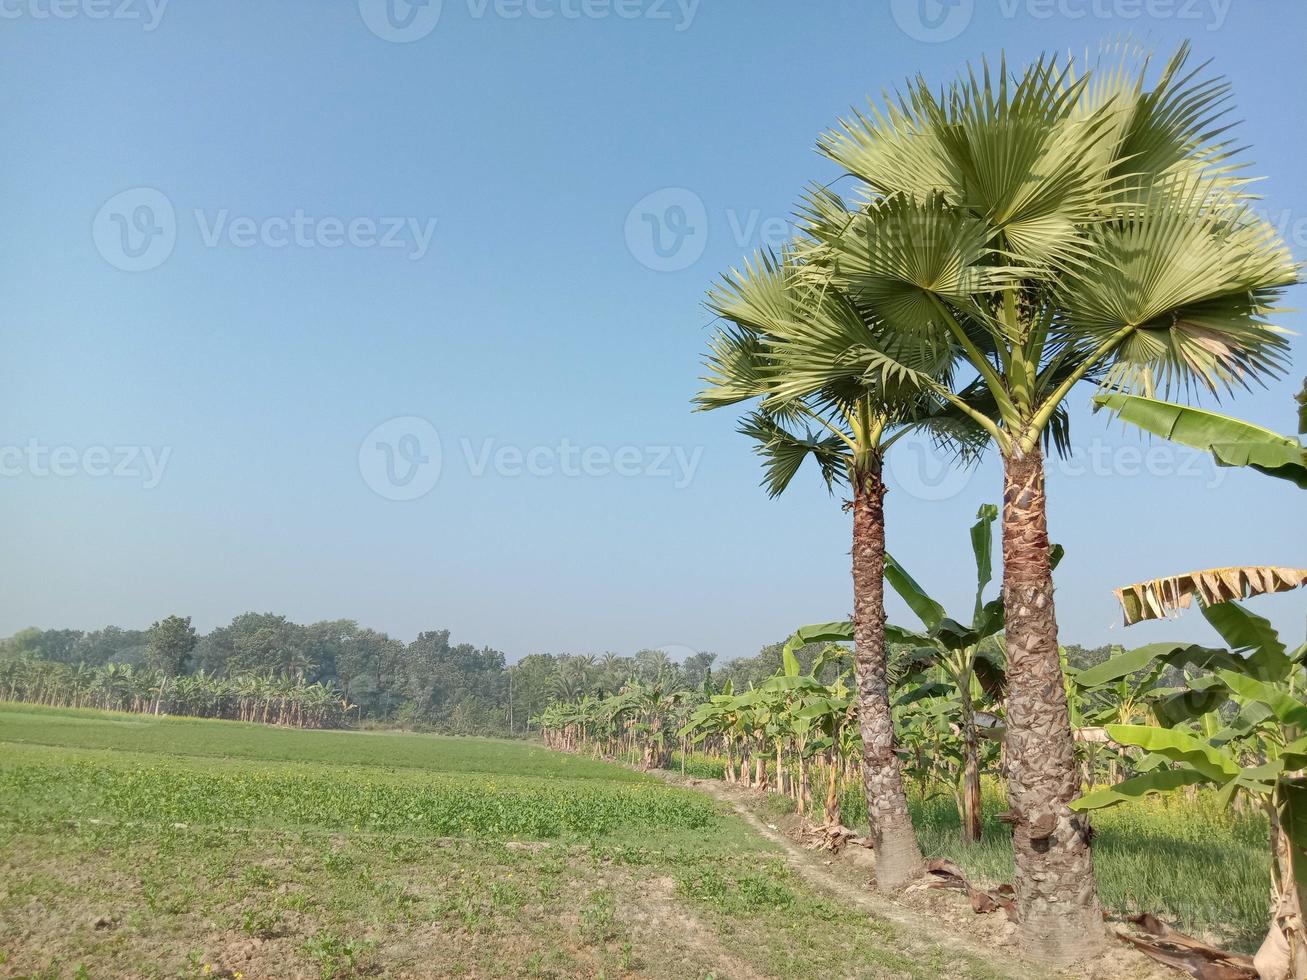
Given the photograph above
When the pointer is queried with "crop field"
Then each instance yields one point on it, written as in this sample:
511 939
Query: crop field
133 846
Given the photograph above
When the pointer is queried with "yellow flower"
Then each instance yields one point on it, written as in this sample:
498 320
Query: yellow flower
208 968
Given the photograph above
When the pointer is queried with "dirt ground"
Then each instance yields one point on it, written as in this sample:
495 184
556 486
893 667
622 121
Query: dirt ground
945 915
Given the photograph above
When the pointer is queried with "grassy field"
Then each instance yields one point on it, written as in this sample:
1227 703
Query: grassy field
139 847
1202 867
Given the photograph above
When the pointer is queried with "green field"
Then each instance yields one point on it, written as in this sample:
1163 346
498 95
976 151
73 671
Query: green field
134 846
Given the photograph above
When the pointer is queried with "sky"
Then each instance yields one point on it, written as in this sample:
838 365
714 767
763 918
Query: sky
357 309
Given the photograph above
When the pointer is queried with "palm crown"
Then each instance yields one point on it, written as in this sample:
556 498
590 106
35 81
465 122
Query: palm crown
1060 226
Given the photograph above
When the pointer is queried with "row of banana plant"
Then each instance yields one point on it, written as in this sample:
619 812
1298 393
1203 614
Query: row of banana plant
1167 716
124 687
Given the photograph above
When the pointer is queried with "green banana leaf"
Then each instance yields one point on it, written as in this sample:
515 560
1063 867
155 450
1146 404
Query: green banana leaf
1175 654
982 545
1191 703
1213 762
1137 787
1283 705
1246 632
1231 442
816 633
927 609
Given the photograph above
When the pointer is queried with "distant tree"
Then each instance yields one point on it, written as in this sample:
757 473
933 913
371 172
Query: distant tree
171 641
652 666
696 668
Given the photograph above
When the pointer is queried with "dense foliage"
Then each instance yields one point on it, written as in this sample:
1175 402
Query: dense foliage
263 667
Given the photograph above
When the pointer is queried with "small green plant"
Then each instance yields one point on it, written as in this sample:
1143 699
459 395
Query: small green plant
261 923
599 918
258 876
336 955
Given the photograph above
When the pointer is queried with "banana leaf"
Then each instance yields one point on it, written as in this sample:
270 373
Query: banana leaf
1231 442
1137 787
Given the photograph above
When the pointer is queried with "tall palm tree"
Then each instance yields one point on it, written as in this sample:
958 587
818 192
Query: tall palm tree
1055 225
787 329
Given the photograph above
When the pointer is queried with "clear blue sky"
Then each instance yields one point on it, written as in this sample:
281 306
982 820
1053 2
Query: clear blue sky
540 314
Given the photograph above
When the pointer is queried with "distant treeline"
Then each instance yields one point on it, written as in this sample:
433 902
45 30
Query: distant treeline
266 667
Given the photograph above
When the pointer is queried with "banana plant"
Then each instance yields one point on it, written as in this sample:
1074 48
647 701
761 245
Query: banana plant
948 660
1238 723
962 665
1231 442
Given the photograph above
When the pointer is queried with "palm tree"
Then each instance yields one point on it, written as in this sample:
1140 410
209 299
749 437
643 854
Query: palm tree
788 334
1052 226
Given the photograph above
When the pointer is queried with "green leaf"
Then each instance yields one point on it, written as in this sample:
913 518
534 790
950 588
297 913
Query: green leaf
1137 787
907 637
927 609
1212 761
1246 632
982 546
1175 654
1231 441
1283 705
1190 703
815 633
953 635
1249 717
923 692
1294 755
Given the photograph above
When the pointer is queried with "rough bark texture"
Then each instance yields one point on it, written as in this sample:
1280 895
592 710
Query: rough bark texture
1057 898
898 856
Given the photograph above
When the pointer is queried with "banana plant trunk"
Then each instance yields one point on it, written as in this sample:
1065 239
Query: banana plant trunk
1283 953
1057 897
971 825
898 855
833 812
804 795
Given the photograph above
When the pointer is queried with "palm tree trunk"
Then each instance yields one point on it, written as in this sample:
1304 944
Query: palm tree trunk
898 856
1057 897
